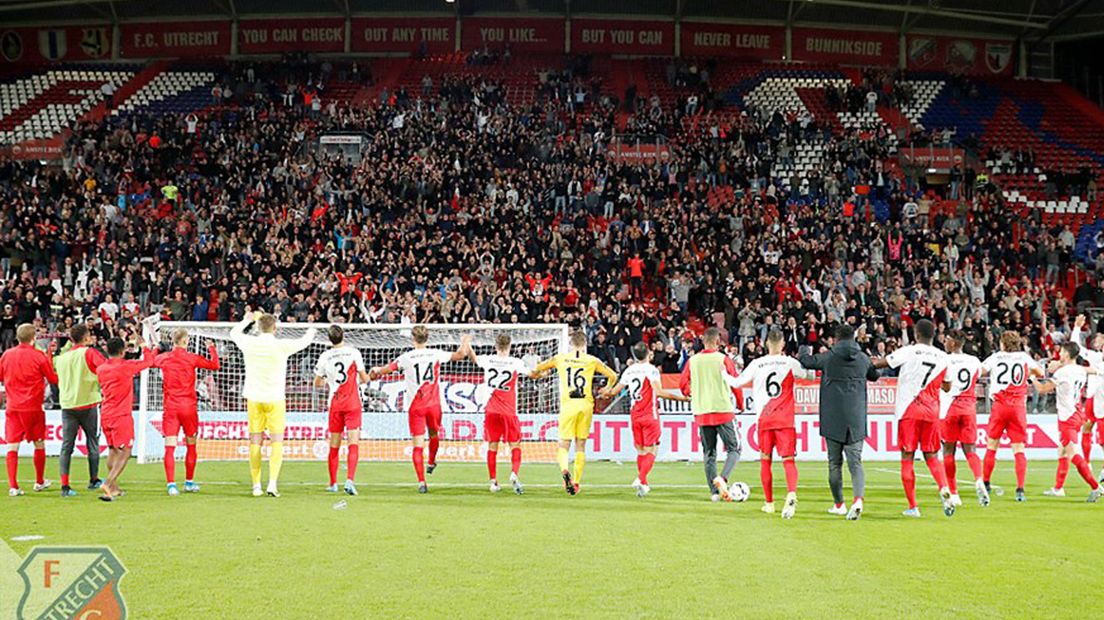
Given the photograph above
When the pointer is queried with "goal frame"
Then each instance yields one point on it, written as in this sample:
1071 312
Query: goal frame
167 326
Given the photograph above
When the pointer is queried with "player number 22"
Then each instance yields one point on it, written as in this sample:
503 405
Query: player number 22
499 379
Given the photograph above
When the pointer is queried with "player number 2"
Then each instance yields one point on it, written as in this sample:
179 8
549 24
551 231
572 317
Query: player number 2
636 389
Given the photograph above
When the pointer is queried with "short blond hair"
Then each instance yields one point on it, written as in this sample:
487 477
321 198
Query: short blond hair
502 341
420 334
578 339
267 323
25 333
180 337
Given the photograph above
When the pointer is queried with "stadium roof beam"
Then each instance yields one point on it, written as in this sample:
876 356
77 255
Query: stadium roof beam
1059 20
792 14
928 11
24 6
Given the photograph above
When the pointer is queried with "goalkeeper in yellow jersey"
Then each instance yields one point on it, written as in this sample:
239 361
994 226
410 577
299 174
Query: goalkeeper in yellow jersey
263 389
576 369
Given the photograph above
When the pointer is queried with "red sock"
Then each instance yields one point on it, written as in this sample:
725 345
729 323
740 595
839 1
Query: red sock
1063 471
351 460
951 469
647 460
975 464
191 454
790 467
908 479
170 464
1083 468
936 469
1086 445
434 443
640 467
64 480
492 464
766 477
419 465
40 465
333 461
1021 470
990 464
515 460
12 461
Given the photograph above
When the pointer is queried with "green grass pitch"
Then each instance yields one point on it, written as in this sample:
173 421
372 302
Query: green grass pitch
461 552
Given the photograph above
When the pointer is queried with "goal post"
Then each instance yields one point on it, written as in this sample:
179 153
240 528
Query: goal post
223 427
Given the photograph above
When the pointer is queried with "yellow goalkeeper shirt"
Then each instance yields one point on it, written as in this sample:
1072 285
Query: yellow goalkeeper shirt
576 371
266 359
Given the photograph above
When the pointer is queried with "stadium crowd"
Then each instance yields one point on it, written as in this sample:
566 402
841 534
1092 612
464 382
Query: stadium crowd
467 209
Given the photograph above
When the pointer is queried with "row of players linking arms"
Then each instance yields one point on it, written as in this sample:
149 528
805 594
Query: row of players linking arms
936 406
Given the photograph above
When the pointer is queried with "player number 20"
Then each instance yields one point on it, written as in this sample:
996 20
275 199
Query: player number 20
1014 371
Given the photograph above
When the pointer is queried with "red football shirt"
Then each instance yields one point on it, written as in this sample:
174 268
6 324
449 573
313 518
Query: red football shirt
116 377
22 369
178 368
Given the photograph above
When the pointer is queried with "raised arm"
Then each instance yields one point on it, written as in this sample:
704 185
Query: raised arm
211 362
296 345
461 351
237 333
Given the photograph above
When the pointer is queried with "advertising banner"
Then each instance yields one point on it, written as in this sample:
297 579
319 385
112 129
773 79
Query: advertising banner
733 40
960 55
848 47
55 43
225 436
273 36
175 39
404 34
521 34
622 36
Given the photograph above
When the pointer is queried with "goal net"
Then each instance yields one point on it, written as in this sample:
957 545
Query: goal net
223 426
